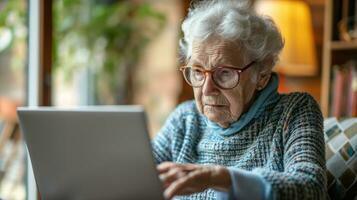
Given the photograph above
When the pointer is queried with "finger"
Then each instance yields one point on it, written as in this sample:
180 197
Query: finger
182 186
175 188
171 176
190 167
165 167
193 182
170 172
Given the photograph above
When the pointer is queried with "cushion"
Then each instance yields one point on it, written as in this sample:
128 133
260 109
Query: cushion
341 157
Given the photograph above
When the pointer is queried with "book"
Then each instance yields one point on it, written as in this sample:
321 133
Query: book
339 91
344 94
349 67
353 95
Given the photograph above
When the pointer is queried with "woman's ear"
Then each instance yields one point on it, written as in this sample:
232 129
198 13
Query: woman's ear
264 73
263 79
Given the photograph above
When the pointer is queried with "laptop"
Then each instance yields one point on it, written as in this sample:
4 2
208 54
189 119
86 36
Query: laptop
90 153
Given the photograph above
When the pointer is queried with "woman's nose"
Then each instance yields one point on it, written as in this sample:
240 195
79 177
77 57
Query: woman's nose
209 88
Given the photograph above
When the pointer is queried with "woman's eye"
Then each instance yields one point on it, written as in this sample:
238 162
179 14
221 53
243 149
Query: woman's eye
197 74
225 73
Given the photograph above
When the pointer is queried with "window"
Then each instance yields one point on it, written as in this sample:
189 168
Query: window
13 61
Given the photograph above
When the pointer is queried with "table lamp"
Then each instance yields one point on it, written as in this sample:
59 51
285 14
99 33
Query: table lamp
293 18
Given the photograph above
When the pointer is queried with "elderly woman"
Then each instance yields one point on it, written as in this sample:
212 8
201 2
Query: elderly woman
240 138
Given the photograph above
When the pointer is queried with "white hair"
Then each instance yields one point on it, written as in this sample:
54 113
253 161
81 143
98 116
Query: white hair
233 20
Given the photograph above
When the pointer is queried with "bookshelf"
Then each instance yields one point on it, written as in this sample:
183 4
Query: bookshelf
342 45
336 52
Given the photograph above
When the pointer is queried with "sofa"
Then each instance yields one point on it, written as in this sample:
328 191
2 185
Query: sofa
341 158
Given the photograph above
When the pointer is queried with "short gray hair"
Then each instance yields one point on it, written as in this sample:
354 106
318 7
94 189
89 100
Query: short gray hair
233 20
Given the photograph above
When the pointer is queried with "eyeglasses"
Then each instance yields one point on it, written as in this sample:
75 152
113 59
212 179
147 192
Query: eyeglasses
224 77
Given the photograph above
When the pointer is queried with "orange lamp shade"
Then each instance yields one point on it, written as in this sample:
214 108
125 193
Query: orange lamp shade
293 18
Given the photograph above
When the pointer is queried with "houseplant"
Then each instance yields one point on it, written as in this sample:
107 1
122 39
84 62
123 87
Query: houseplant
106 38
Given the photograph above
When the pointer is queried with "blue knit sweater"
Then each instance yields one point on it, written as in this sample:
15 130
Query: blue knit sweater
284 146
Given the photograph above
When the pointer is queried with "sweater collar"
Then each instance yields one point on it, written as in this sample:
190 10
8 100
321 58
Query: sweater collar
264 98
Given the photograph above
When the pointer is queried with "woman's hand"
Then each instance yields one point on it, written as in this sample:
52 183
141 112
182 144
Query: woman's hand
184 179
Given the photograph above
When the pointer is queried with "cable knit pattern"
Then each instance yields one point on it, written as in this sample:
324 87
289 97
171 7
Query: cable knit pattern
285 146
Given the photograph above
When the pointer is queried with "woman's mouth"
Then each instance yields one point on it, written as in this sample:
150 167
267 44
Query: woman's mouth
215 105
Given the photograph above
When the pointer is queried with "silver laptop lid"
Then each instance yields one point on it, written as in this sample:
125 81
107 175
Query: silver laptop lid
91 152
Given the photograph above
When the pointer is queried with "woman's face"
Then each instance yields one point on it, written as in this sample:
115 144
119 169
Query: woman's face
219 105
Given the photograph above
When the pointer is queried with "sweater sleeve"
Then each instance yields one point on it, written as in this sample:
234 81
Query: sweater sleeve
304 155
246 185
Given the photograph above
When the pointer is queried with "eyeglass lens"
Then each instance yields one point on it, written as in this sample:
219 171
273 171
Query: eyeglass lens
223 77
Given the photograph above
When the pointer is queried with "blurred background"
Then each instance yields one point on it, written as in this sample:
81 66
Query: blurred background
111 52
